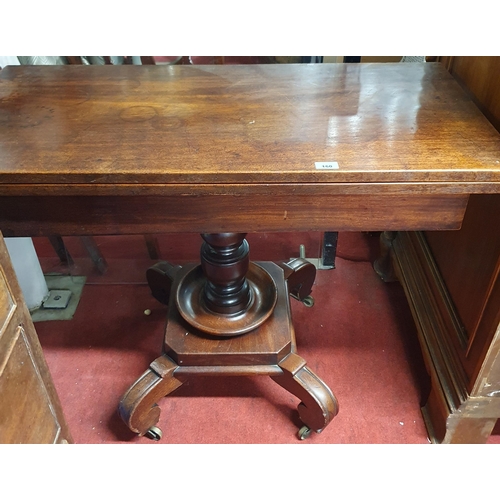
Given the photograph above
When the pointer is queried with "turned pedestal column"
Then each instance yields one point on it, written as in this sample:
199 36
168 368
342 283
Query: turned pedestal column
225 299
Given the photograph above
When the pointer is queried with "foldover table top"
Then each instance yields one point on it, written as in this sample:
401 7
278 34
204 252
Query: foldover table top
406 125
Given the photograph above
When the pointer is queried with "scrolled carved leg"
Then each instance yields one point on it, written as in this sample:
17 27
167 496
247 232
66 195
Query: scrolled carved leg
138 407
318 405
383 265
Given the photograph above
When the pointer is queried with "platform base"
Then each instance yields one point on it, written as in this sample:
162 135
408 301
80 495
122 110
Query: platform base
269 349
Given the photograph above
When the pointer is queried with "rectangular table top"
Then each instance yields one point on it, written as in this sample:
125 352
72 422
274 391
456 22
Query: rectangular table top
93 127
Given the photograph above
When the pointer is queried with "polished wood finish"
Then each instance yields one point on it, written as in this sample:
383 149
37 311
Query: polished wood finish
266 345
160 278
299 275
462 407
214 314
224 261
277 208
30 410
269 349
469 263
469 260
479 76
242 124
231 149
259 130
318 405
452 282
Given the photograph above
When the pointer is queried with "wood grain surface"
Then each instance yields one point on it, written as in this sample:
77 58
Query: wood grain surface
30 409
93 215
242 124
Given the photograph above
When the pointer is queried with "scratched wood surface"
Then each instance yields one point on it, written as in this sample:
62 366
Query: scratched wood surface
133 126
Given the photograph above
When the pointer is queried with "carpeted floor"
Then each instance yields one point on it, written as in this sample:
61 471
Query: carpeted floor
359 338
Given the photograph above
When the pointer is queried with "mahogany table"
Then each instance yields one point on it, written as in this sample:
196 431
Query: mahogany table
226 150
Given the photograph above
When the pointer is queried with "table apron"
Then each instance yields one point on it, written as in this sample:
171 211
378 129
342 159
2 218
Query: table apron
113 215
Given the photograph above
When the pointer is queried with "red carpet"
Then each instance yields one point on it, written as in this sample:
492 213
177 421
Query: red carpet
359 338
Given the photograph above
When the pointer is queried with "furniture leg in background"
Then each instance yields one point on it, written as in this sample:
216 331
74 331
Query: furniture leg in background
90 246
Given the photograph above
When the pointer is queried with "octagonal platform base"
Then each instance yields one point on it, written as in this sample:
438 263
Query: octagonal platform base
268 349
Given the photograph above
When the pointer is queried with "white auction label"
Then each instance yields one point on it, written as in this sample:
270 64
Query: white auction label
326 165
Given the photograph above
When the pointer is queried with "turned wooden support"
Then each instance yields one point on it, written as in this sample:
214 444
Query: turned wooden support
270 349
225 260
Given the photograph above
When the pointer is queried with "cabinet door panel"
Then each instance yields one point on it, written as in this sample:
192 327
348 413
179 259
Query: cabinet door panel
469 260
30 411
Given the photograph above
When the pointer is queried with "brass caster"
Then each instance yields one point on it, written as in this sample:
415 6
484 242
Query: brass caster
304 432
308 301
154 433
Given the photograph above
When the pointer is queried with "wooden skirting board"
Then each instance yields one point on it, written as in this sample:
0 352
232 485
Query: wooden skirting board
458 410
